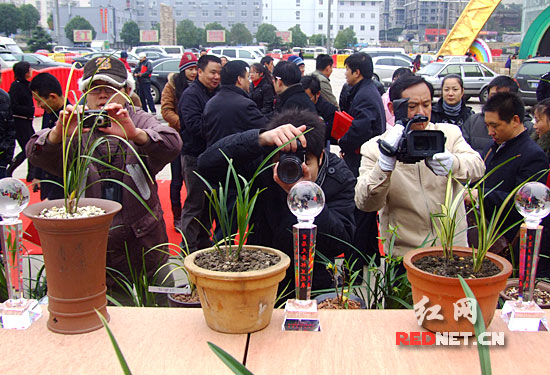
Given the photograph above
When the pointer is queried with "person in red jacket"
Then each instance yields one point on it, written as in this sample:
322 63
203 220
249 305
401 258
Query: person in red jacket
124 59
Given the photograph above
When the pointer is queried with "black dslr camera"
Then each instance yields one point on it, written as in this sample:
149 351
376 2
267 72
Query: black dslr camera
414 145
289 169
97 118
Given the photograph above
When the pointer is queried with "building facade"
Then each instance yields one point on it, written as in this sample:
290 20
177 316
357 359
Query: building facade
363 17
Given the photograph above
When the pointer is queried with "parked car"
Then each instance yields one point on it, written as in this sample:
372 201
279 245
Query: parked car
39 62
384 66
476 77
528 77
168 51
7 59
78 49
236 53
161 69
79 62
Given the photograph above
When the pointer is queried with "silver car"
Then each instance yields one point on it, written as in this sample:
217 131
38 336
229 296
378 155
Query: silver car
476 77
384 66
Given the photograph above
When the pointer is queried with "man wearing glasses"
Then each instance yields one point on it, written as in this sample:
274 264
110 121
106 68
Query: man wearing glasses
106 85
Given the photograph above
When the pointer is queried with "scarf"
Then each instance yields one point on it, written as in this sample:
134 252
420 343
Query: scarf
257 82
452 111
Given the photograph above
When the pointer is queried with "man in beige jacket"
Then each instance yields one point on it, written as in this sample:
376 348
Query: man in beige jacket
406 194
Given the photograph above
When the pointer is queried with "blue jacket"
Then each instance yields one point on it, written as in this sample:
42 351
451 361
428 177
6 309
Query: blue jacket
532 159
190 109
369 120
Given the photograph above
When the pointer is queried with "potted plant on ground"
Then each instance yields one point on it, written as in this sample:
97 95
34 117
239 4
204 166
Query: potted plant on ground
236 297
73 231
437 285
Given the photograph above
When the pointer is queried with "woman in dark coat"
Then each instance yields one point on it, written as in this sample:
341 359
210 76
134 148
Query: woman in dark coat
22 108
451 108
261 89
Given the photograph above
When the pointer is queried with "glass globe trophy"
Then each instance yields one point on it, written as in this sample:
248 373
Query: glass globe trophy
305 200
14 197
532 202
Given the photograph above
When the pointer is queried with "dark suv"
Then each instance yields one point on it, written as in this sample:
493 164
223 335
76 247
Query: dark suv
528 76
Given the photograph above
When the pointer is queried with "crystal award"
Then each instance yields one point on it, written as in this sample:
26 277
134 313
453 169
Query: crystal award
533 202
14 197
305 200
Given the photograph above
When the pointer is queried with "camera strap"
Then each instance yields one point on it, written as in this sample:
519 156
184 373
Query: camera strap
322 170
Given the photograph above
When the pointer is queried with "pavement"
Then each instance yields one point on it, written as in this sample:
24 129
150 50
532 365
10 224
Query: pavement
337 80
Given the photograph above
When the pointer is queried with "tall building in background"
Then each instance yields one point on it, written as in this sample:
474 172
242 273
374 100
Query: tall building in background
363 17
420 15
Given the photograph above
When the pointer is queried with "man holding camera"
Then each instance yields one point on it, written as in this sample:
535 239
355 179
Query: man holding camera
104 82
305 161
406 194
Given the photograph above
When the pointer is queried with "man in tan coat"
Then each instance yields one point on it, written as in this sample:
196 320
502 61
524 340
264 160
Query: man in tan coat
406 194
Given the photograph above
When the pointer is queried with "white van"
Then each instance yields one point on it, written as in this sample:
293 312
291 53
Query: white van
9 44
172 51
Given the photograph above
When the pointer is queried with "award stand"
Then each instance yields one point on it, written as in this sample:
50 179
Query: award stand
17 312
524 314
305 200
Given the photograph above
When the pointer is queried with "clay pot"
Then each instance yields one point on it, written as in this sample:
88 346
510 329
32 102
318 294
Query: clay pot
445 291
237 302
541 285
320 298
75 252
172 302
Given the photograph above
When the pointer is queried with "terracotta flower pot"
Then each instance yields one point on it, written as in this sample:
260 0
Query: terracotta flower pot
75 252
445 291
237 302
541 285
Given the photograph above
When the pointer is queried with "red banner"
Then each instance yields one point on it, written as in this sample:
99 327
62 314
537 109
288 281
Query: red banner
106 21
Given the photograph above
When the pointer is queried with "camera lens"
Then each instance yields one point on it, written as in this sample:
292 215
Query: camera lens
289 169
100 120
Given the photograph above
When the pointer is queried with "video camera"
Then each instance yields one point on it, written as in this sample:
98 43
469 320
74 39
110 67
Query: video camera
414 145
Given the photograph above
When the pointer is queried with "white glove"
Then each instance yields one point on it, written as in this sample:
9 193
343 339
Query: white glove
441 163
387 163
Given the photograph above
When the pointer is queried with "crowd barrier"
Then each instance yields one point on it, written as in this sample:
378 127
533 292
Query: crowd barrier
61 73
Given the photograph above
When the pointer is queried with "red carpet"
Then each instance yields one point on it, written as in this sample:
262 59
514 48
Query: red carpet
164 194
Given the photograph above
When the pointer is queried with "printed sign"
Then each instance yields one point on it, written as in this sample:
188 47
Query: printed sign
149 36
286 36
81 36
215 36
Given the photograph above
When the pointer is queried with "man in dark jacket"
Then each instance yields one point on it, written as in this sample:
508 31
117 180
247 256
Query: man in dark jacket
190 109
369 120
22 108
325 109
49 96
504 118
366 108
286 79
231 110
474 129
272 219
134 229
143 72
7 131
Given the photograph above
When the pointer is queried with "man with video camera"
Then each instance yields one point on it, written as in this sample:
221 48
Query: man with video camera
309 160
406 187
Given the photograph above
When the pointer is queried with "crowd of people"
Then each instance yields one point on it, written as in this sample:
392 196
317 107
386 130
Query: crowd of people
215 108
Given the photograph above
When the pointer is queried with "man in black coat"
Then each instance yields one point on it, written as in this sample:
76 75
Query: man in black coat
504 118
543 88
286 80
366 108
143 72
231 110
272 219
22 107
190 111
325 109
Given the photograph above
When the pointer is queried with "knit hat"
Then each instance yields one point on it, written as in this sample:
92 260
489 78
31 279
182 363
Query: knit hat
296 60
142 55
124 54
188 60
108 69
